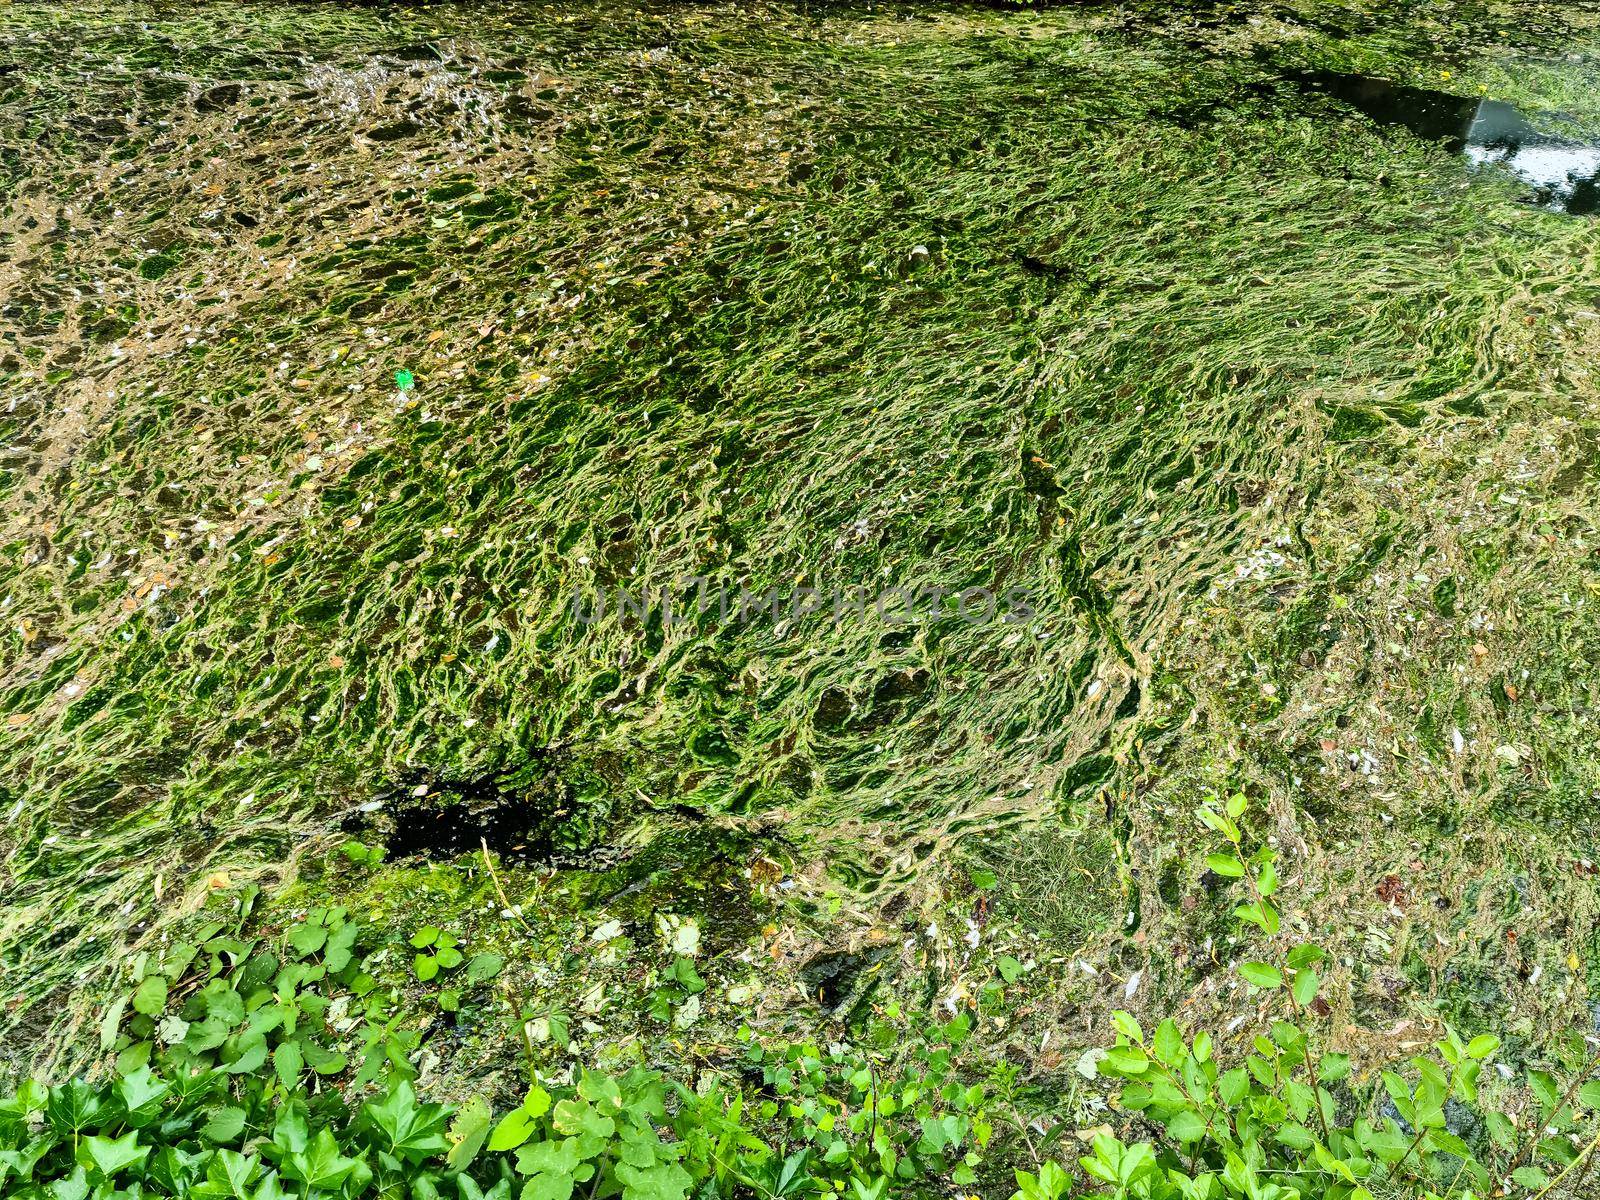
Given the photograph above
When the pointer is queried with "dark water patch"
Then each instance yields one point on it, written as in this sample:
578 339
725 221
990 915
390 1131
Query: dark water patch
217 98
524 816
1431 115
1563 173
394 131
840 980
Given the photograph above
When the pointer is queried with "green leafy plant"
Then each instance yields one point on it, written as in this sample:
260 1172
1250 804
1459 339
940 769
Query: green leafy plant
227 1047
242 1004
855 1124
675 987
1286 1121
437 951
278 1068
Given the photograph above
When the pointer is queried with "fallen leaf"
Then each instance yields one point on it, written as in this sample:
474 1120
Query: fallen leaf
1392 891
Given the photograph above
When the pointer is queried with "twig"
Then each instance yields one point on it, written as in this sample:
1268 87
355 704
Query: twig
500 891
1583 1155
1422 1132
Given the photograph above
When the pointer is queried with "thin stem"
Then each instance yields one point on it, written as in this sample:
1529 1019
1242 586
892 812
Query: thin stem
1177 1081
1522 1155
1582 1155
500 891
1455 1179
1313 1059
519 1013
1422 1132
872 1129
1577 1184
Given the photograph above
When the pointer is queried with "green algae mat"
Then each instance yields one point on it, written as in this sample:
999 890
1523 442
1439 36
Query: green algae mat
895 436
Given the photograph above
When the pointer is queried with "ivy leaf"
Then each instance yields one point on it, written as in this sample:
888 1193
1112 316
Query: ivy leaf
141 1094
415 1131
426 967
151 996
269 1189
112 1155
290 1132
72 1107
484 967
320 1166
73 1187
468 1132
170 1168
229 1173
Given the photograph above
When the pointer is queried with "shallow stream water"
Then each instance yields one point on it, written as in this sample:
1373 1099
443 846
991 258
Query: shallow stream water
345 349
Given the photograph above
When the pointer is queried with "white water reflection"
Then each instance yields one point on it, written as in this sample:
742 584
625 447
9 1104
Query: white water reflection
1564 172
1565 175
